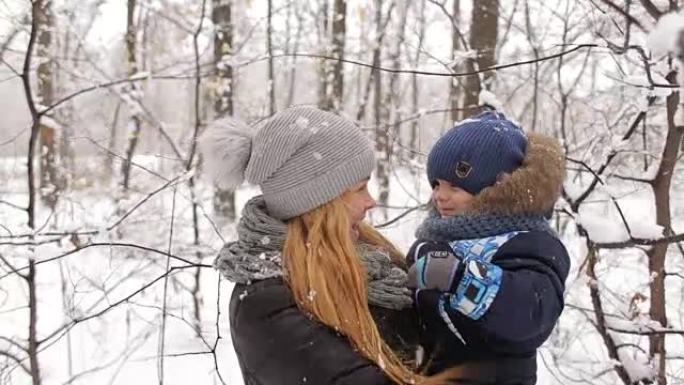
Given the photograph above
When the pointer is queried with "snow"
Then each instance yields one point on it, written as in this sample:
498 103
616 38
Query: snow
487 97
641 324
460 56
646 229
663 38
600 230
302 122
638 367
641 80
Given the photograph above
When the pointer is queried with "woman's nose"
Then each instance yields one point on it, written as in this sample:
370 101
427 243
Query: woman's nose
370 202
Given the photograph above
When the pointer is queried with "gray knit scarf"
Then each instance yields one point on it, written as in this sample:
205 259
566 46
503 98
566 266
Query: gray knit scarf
256 255
472 226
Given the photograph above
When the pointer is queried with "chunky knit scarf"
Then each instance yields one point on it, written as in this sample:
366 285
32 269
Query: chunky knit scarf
256 255
472 226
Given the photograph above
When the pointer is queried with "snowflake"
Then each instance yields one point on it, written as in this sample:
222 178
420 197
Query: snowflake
302 122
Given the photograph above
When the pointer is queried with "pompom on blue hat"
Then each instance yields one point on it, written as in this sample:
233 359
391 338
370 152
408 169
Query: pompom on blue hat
473 154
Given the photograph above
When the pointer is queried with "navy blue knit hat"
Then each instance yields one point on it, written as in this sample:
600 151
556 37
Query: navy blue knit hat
473 153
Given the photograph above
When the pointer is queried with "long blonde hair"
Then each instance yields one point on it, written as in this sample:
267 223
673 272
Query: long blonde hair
327 280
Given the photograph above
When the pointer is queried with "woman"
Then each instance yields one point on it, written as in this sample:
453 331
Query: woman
320 297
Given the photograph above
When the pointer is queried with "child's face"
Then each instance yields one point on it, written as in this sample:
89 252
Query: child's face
449 199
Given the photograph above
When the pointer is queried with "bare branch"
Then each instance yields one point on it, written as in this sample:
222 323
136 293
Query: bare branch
66 327
652 9
111 244
641 242
17 360
427 73
398 217
575 205
630 19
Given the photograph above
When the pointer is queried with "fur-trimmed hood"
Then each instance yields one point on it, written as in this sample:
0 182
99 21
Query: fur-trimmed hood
534 187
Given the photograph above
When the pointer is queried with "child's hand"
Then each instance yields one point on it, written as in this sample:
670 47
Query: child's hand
434 266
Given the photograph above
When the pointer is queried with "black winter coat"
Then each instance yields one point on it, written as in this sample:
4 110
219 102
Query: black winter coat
277 344
502 345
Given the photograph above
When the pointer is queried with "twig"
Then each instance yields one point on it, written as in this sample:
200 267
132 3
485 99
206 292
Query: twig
427 73
111 244
162 332
575 205
398 217
640 242
62 329
630 19
652 9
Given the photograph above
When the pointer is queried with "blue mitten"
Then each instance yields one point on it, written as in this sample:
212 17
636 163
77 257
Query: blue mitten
469 284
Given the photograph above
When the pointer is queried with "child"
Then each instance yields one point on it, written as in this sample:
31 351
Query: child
488 269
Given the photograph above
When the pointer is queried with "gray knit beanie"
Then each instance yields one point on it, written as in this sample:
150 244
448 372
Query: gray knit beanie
301 157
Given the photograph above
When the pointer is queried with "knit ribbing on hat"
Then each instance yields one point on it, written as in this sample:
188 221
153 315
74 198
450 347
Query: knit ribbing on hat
472 154
304 157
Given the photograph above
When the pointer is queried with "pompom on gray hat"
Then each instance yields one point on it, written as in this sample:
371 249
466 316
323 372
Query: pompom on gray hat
301 157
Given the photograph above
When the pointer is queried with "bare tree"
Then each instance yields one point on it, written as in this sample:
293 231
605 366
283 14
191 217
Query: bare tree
657 255
269 50
50 181
483 38
221 16
334 75
37 22
323 28
294 8
393 98
415 90
456 46
381 114
135 124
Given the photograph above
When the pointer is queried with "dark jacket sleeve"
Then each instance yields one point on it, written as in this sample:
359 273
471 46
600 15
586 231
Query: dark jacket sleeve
527 304
278 344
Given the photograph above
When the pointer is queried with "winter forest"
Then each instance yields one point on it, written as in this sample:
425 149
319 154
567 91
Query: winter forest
108 227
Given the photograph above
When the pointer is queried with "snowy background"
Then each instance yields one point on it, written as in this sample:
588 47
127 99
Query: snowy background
124 291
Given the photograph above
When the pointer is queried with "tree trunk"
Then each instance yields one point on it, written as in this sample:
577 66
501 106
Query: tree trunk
483 36
381 138
393 98
135 123
454 82
597 304
50 184
111 143
292 76
379 39
269 49
33 321
196 295
66 112
221 16
657 254
333 68
323 36
415 90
